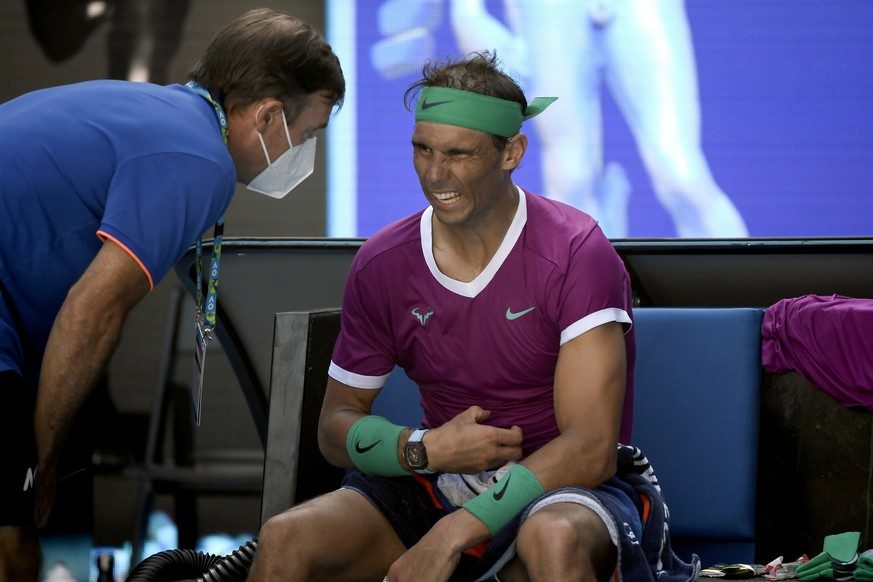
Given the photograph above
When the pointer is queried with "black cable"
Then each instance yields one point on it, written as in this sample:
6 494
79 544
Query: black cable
191 566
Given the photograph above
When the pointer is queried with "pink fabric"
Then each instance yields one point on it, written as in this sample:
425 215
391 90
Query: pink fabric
826 339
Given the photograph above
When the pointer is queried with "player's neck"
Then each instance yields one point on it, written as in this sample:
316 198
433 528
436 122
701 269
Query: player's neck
463 251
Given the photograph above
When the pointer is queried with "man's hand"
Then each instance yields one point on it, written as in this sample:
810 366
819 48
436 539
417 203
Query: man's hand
463 445
427 561
436 555
45 485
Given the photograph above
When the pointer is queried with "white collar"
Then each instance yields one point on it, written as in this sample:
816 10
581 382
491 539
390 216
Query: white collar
474 287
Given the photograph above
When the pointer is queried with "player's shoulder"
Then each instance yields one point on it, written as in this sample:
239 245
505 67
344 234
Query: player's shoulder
390 240
556 230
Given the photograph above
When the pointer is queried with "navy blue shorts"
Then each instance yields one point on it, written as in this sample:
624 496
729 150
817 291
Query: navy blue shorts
413 505
19 450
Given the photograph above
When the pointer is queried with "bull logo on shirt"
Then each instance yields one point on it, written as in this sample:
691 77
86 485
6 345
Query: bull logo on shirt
422 317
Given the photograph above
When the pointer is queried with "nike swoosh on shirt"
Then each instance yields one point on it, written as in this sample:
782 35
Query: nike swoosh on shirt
360 449
510 315
498 495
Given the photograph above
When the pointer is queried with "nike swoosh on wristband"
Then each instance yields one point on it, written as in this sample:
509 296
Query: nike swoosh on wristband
510 315
498 495
426 105
360 449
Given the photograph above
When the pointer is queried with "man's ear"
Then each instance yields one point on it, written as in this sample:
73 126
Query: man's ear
514 151
267 111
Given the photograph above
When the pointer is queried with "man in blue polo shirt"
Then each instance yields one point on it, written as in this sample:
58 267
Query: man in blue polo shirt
103 186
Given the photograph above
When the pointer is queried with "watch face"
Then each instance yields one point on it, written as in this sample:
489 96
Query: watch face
416 456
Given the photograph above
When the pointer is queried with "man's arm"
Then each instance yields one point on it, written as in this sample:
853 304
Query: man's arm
342 407
589 395
84 335
462 445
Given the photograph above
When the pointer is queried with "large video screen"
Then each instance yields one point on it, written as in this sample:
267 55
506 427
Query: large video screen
694 119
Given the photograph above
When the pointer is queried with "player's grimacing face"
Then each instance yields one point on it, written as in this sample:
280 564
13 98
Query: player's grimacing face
461 172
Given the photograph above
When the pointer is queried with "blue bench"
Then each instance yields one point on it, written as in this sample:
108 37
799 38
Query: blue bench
696 416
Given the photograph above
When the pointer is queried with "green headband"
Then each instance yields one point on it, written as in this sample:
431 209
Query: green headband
475 110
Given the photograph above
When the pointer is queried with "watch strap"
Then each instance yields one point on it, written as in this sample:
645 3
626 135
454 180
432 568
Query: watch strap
417 435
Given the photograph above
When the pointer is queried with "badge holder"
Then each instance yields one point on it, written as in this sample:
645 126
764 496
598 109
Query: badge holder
202 337
204 315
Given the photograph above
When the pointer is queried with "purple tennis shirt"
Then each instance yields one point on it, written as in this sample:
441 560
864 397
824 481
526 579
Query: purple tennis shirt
493 341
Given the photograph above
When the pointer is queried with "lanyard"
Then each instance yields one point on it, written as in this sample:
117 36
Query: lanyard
205 311
219 111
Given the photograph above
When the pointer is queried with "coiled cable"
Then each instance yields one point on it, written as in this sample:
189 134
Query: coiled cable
190 566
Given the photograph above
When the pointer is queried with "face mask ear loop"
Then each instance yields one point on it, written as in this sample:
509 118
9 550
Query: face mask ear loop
287 133
261 137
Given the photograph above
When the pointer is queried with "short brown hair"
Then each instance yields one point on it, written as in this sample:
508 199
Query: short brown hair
268 53
479 72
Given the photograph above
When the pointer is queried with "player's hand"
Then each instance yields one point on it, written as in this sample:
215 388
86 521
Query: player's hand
436 555
426 561
464 445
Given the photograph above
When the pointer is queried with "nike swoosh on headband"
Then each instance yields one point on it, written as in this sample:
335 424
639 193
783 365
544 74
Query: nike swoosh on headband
427 105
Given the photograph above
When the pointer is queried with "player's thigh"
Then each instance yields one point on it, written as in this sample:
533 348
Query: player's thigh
338 531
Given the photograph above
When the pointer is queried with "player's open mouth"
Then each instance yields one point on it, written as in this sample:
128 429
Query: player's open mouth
446 197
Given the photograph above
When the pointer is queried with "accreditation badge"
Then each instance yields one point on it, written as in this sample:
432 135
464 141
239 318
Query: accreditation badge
202 337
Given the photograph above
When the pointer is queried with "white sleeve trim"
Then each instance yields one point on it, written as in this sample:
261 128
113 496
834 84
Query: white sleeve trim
593 320
356 380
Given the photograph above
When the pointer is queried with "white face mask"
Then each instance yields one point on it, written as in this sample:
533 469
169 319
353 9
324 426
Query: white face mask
289 169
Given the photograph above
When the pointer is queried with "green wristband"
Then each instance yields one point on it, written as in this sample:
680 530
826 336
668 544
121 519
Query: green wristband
506 498
372 444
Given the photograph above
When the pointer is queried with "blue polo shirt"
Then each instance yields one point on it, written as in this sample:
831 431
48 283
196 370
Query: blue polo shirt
141 164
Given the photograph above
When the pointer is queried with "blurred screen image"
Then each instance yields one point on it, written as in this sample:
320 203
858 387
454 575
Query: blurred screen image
689 119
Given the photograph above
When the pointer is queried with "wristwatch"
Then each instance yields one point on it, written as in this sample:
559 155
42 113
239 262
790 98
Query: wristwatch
415 453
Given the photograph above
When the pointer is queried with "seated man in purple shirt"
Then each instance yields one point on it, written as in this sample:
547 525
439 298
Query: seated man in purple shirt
513 315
